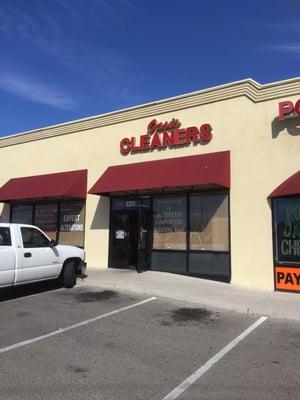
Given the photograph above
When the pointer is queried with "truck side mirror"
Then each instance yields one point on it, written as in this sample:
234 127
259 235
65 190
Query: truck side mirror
53 243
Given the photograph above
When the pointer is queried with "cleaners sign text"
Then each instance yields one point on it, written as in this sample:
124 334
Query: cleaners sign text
161 135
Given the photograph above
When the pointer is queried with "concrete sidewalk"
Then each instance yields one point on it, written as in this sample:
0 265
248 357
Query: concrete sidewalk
200 291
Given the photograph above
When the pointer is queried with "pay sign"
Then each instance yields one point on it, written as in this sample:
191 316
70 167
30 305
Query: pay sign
287 278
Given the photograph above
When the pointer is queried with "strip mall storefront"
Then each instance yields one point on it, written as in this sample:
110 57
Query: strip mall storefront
205 184
170 215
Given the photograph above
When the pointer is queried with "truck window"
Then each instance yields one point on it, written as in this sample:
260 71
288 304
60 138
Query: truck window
33 238
5 239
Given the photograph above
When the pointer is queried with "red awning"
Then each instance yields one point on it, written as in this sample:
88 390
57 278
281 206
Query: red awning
72 184
211 169
289 187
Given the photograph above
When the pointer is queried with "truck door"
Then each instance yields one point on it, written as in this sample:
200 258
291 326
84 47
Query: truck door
40 261
7 258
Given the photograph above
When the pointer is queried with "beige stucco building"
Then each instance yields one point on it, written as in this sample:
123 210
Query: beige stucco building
195 198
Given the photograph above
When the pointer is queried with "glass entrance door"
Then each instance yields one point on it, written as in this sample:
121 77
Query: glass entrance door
144 239
130 233
119 240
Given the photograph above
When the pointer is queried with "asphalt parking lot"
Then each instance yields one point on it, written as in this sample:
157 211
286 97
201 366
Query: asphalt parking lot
90 343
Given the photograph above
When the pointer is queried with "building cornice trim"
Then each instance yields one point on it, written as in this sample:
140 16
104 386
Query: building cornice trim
247 88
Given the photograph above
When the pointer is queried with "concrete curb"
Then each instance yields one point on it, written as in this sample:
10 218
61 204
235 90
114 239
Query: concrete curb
199 291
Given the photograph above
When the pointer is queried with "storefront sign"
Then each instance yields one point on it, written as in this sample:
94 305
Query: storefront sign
71 223
71 218
46 217
287 243
288 230
169 223
169 215
161 135
120 204
120 234
131 204
287 278
288 109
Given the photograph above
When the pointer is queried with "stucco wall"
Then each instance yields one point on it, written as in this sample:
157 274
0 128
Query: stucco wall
263 154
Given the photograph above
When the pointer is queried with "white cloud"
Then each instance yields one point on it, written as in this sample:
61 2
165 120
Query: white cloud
36 91
99 67
293 49
51 37
108 8
282 26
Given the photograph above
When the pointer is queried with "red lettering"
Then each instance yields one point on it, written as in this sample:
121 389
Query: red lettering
155 141
205 132
168 139
160 127
192 134
285 108
164 126
144 142
152 126
125 146
167 134
133 147
174 124
179 137
297 107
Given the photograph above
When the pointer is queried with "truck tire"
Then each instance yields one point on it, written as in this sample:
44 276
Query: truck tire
69 277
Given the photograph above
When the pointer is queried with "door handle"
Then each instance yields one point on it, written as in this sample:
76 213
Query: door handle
27 255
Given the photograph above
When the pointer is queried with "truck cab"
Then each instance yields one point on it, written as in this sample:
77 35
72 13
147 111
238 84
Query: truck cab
28 255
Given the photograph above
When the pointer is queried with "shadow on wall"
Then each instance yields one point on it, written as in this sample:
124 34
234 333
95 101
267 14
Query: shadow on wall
101 216
292 125
4 213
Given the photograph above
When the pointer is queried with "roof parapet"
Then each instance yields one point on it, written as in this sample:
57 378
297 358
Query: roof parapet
249 88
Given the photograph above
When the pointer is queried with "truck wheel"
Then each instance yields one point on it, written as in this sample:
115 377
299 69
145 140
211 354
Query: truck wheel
69 277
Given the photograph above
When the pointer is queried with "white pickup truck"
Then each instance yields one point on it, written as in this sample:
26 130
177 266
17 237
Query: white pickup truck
28 255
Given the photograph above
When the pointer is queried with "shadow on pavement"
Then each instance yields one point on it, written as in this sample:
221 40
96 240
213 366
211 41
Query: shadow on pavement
16 292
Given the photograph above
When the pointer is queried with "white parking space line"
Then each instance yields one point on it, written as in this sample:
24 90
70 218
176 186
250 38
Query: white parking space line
33 295
217 357
38 294
74 326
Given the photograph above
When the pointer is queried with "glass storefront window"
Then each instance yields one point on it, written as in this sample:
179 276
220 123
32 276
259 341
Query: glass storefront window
70 220
71 223
209 222
287 229
169 223
22 214
45 217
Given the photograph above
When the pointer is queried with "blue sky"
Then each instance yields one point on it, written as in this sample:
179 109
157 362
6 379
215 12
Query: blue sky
68 59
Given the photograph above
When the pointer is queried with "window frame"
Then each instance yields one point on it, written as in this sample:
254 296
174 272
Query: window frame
184 195
20 204
27 246
274 205
207 194
40 224
60 204
9 236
